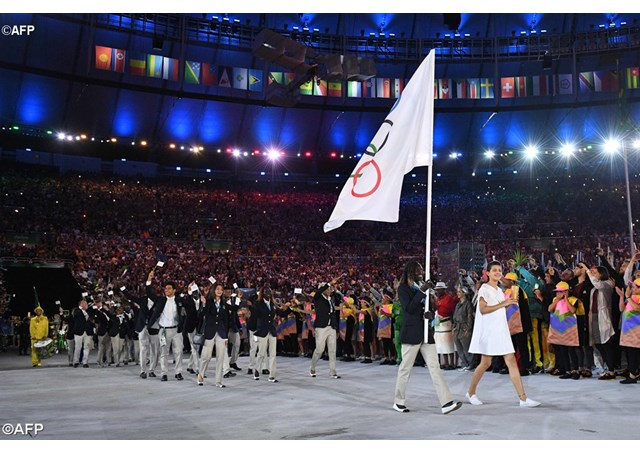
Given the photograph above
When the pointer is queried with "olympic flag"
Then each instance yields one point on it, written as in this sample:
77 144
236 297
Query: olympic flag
404 141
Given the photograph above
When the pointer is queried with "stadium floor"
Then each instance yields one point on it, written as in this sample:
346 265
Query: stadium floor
115 403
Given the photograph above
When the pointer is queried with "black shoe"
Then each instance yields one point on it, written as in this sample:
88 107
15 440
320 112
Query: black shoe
256 375
629 380
566 376
235 367
575 375
503 371
525 373
265 371
143 375
366 361
71 364
190 371
85 366
229 374
384 362
179 377
152 374
75 365
249 371
163 378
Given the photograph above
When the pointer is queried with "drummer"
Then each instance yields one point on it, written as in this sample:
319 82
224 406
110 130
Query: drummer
39 330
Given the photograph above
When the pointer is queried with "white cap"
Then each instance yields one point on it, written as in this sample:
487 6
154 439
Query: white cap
440 285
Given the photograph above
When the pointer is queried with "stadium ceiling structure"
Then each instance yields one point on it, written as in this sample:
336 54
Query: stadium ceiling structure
181 82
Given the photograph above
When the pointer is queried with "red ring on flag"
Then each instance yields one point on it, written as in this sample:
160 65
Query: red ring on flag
355 179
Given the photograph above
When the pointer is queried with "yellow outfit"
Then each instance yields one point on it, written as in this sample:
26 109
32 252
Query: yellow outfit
39 330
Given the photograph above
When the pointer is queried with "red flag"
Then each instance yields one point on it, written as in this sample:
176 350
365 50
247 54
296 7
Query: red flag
209 74
444 88
117 63
103 58
507 85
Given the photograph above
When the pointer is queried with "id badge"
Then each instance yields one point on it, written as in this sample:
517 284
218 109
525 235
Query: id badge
163 337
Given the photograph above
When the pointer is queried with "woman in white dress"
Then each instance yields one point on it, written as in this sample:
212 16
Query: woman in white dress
491 336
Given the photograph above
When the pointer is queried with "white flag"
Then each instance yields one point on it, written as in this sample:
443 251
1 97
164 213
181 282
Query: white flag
404 141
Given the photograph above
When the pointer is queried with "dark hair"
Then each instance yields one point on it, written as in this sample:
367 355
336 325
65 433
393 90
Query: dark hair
604 272
493 263
409 271
170 283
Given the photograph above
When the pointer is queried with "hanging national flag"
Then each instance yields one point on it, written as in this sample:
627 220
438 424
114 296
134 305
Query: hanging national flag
586 82
170 68
240 78
255 80
138 66
103 58
398 86
383 87
288 77
209 74
541 85
320 87
521 86
154 66
404 141
632 78
444 89
486 89
474 88
275 77
335 88
605 80
564 84
507 87
369 88
192 72
118 59
307 88
354 89
224 80
462 89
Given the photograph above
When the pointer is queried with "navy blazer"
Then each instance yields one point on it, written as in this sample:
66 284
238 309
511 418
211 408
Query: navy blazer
142 312
80 324
216 320
265 318
158 307
412 301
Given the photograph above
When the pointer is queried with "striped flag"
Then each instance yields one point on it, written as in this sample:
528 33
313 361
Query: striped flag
138 66
586 82
521 86
632 78
335 88
320 87
474 88
368 89
541 85
192 72
170 68
118 59
398 86
307 88
462 88
154 66
605 80
354 89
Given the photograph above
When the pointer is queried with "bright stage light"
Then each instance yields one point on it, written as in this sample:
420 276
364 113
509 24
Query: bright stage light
531 152
567 149
611 146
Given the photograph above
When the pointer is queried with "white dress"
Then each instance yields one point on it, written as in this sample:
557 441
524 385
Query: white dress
491 330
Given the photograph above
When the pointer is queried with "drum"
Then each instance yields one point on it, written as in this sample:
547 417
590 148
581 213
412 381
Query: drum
45 348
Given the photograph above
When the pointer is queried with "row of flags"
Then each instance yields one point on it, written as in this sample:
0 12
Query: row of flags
200 73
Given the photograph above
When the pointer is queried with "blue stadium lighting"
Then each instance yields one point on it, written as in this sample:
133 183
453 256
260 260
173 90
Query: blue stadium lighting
530 152
286 174
123 160
413 175
636 144
337 175
438 174
454 155
515 172
489 173
273 154
543 31
567 149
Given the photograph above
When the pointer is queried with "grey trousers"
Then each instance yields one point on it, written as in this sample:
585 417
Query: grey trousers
207 353
267 344
428 351
234 340
253 350
71 349
104 348
82 343
194 358
173 340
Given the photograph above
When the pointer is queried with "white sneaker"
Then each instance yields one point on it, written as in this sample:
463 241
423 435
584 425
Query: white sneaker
529 403
473 399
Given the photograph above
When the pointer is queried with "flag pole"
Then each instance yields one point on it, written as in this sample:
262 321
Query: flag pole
427 263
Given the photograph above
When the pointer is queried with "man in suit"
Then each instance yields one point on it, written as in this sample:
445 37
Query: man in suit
234 330
102 320
192 305
252 324
416 336
168 311
325 326
82 333
142 307
265 312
